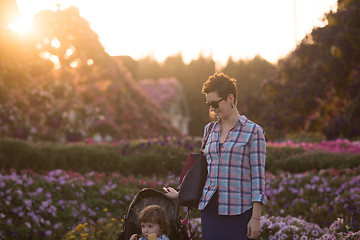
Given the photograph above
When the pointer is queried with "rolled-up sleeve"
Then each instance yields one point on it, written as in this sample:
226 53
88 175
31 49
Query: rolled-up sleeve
257 164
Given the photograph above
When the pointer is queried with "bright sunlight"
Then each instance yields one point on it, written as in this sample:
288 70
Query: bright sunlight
163 28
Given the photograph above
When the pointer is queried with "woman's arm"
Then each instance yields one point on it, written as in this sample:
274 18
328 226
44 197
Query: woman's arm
256 212
254 226
134 237
171 193
257 165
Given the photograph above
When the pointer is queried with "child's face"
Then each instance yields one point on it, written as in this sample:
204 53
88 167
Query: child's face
149 228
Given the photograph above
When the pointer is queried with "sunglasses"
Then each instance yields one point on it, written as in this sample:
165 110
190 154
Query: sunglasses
214 104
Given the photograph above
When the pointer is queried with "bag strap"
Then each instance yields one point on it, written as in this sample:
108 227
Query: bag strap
208 134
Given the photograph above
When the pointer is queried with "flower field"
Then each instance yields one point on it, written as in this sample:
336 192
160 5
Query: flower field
59 204
334 146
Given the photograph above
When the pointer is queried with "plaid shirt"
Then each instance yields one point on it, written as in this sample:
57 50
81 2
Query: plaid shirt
238 171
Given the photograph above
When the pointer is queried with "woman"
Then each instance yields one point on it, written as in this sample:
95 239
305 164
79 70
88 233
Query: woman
234 191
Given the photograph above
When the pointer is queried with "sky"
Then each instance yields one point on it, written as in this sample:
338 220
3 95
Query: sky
241 29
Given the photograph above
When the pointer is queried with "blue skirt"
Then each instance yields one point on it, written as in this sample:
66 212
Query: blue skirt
216 227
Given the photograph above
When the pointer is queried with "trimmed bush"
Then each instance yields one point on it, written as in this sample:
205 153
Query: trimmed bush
154 156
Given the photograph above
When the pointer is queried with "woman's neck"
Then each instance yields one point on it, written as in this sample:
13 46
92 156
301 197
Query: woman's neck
231 119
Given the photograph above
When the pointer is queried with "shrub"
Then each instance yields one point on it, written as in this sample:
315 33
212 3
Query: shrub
166 154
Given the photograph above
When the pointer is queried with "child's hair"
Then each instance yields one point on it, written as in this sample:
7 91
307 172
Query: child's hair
155 214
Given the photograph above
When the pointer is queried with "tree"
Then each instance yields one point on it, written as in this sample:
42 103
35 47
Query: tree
74 89
148 67
102 90
199 71
250 75
317 87
23 78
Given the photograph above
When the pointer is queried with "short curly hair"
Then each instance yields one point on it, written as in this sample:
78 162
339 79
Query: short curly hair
155 214
222 84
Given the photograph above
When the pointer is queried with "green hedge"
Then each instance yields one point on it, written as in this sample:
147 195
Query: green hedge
139 157
147 157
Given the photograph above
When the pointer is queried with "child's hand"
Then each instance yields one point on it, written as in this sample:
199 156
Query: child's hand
134 237
152 236
171 193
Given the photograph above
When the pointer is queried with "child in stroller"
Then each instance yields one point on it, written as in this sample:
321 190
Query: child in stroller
147 197
154 224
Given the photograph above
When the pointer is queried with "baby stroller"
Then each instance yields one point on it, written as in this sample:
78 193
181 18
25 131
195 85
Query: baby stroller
146 197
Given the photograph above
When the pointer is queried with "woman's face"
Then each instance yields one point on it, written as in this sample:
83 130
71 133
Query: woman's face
217 105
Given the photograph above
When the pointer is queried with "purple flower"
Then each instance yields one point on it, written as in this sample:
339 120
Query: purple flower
38 191
75 214
19 181
82 207
19 192
29 182
56 172
44 204
89 183
27 224
62 180
315 233
52 210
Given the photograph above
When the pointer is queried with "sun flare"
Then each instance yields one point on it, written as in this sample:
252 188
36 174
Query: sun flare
163 28
21 26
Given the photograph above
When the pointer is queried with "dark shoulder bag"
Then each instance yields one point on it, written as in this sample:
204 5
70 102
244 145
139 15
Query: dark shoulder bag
193 177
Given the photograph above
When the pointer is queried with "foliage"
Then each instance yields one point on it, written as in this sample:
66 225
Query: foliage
326 195
46 206
106 228
333 146
275 227
249 74
168 154
316 88
89 93
68 205
58 84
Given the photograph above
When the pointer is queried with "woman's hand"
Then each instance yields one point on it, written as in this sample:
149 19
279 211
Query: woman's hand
134 237
253 228
171 193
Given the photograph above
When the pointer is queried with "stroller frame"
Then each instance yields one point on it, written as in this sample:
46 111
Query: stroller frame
147 197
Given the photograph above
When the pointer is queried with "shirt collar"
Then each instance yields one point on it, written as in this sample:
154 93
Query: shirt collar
242 119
